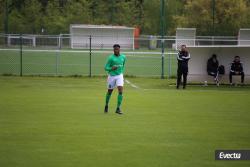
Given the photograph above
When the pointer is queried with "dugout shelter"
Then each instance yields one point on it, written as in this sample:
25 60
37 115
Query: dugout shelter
225 55
102 36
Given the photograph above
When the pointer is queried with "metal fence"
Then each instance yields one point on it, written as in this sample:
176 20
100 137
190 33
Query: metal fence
54 55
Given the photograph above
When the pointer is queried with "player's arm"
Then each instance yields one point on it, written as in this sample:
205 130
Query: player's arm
109 67
124 61
232 68
179 56
241 67
187 58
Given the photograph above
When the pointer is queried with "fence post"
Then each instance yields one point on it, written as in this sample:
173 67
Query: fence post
90 56
162 58
169 66
58 53
162 24
21 55
59 41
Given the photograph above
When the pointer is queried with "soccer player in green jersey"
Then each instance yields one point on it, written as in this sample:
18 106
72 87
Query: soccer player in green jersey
115 68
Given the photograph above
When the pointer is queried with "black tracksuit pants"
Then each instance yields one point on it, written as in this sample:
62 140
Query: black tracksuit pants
182 71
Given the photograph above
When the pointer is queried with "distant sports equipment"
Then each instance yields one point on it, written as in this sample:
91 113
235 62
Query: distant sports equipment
28 40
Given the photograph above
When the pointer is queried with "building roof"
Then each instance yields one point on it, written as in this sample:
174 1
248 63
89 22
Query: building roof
100 26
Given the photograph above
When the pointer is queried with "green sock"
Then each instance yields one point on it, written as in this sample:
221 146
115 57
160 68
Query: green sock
119 100
108 95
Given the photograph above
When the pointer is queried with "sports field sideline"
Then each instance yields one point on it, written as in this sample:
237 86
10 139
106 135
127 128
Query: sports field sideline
59 121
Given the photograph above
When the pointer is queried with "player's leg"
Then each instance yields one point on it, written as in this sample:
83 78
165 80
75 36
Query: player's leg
119 83
184 73
111 85
178 78
184 79
231 77
108 95
217 81
242 77
215 75
211 73
119 99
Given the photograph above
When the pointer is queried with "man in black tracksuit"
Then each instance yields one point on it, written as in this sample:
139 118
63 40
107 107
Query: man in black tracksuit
182 57
236 69
212 67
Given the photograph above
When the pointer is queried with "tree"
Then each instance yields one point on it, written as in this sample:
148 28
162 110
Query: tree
55 16
230 15
151 20
234 15
54 21
77 12
151 23
174 7
25 17
2 15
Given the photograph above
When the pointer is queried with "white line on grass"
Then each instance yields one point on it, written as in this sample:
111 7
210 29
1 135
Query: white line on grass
131 84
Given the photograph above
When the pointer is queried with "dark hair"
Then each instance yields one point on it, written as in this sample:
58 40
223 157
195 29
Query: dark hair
116 45
237 57
214 56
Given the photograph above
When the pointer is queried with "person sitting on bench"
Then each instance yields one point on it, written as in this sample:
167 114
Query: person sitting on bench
212 67
236 69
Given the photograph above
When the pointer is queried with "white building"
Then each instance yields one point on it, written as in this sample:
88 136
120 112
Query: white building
102 36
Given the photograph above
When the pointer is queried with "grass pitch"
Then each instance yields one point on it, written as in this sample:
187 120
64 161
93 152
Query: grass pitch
59 122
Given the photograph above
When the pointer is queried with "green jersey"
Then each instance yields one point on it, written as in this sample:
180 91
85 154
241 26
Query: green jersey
118 61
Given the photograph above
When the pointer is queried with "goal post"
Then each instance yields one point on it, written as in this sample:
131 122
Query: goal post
29 40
